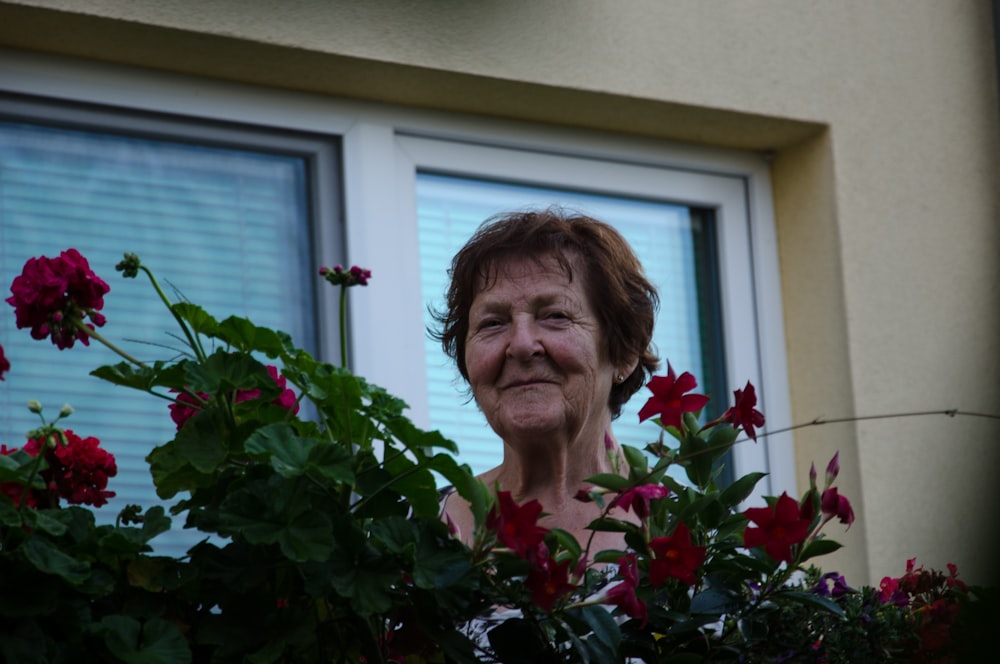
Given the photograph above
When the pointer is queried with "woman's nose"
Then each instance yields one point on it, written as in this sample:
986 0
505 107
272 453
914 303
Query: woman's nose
524 341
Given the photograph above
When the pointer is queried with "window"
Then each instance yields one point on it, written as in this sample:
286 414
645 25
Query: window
674 242
341 181
226 227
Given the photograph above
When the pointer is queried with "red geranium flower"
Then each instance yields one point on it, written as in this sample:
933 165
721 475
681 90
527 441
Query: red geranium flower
637 498
623 594
4 363
778 527
743 412
76 471
675 557
669 400
548 580
515 525
53 296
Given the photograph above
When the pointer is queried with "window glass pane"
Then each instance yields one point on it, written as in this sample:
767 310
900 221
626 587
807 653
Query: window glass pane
226 229
674 242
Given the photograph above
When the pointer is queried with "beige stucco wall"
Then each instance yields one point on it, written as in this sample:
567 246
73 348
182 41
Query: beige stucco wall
881 121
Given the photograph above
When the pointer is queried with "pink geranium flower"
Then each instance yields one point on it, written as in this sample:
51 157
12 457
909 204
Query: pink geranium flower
4 363
53 296
670 399
186 406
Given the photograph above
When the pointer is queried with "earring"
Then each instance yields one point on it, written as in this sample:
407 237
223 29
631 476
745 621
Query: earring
619 378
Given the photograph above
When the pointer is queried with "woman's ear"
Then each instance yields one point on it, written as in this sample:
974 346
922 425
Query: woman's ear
626 370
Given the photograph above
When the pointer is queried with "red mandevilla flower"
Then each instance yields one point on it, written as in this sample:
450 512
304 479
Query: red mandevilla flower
637 498
743 412
185 407
53 296
669 400
834 505
515 525
778 528
548 580
675 557
622 594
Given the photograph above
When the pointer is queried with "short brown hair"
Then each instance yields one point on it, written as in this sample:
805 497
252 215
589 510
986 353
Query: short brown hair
624 300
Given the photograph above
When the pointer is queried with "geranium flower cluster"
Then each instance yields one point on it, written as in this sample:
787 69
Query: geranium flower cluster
187 406
54 296
338 276
76 470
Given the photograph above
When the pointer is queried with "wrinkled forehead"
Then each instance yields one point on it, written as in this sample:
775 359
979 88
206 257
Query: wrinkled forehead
566 265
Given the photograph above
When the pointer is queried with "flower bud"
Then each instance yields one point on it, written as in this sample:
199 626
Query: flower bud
66 410
832 470
35 406
129 266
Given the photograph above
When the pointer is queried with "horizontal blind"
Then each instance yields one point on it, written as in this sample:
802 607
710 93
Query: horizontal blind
667 238
226 229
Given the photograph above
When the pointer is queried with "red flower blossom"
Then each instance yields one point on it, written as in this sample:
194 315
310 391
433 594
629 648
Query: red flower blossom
52 296
4 363
186 406
675 557
834 505
669 400
743 413
515 525
622 594
548 580
637 498
778 528
77 471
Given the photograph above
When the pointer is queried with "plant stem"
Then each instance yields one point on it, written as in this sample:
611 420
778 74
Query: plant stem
192 340
97 336
343 327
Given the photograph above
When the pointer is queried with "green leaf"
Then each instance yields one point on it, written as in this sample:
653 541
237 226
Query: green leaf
201 443
468 487
48 558
279 444
606 630
199 320
262 513
811 599
609 481
129 375
819 547
243 335
157 641
636 459
738 491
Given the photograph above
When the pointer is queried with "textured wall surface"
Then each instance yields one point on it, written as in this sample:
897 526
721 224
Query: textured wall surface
881 121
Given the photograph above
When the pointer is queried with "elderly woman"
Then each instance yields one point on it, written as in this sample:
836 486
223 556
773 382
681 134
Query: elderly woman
549 318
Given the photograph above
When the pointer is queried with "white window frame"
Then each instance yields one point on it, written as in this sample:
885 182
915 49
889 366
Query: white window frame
384 147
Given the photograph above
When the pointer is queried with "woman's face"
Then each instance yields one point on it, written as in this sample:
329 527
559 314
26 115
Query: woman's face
534 354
